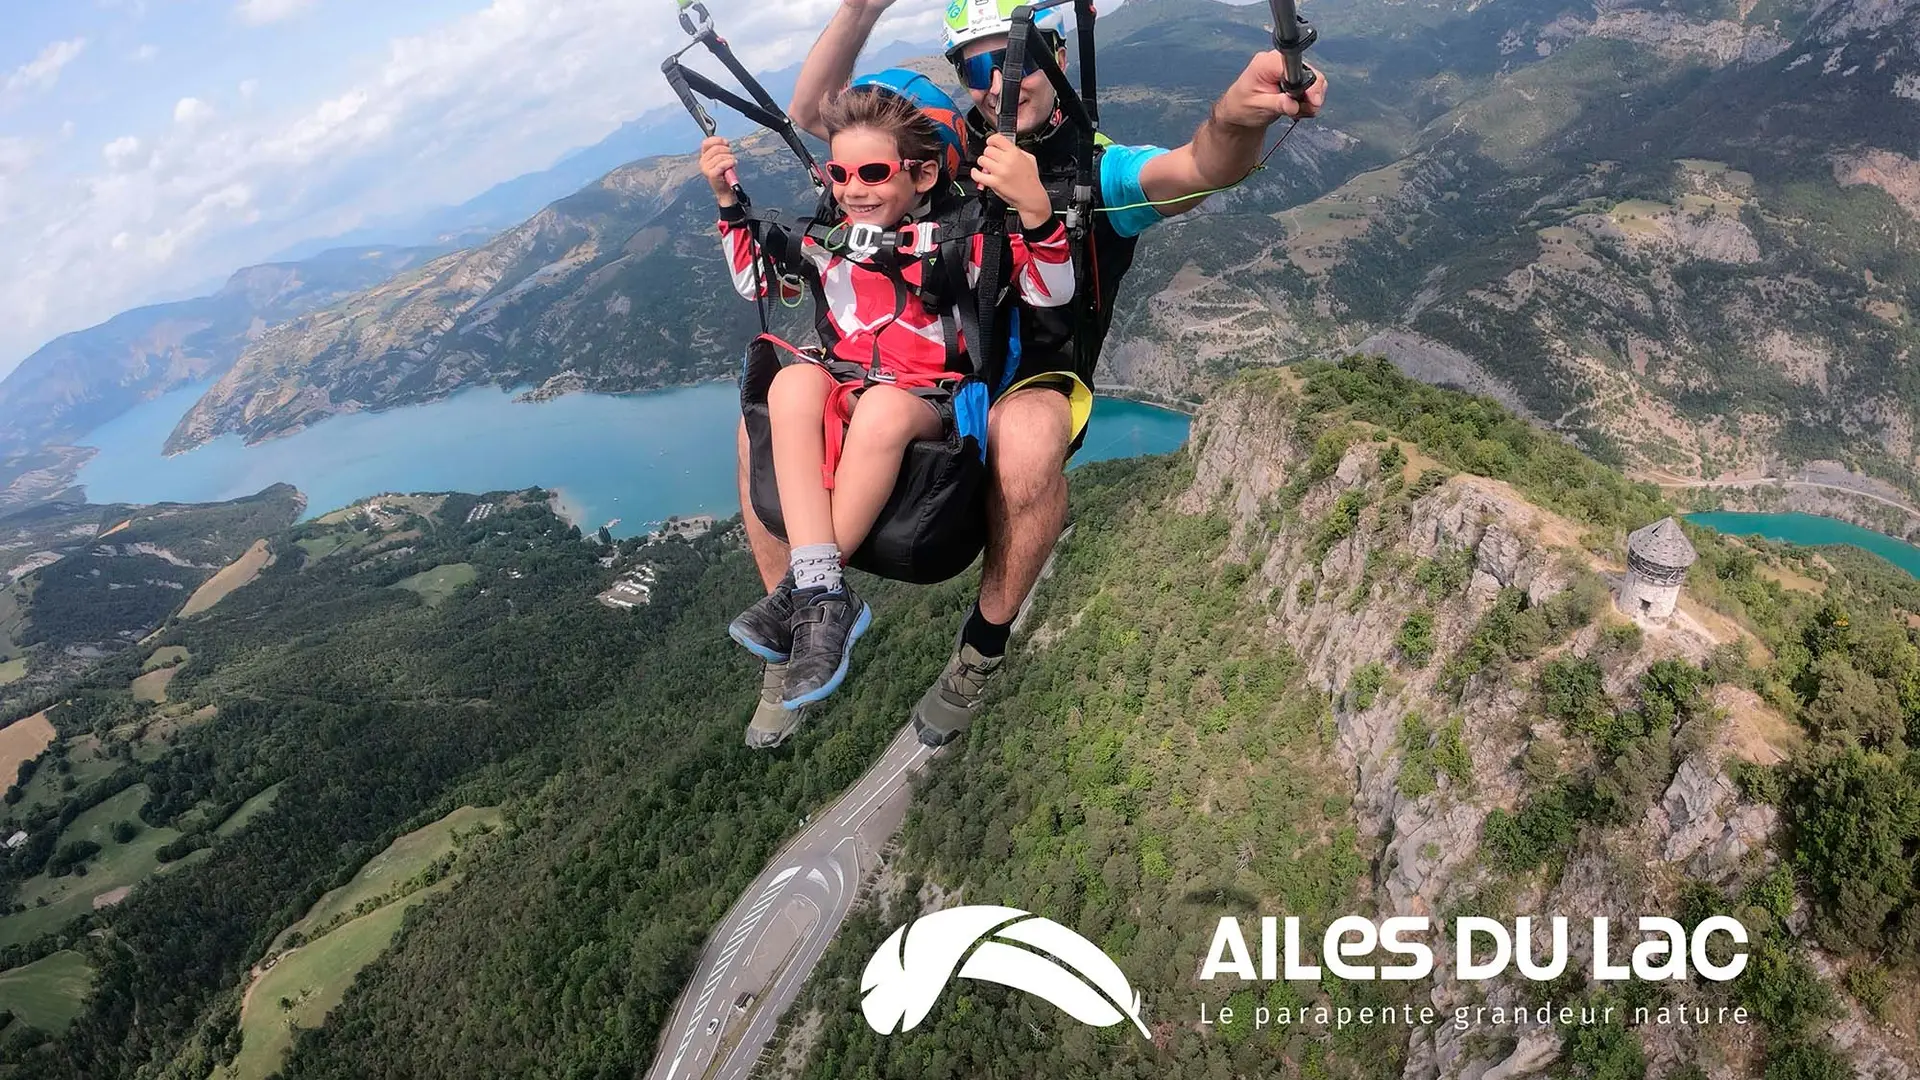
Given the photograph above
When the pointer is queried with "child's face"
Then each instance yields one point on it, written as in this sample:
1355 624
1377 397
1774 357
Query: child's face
885 204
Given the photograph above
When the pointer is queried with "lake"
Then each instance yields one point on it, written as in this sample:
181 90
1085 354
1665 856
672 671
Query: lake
635 457
1809 529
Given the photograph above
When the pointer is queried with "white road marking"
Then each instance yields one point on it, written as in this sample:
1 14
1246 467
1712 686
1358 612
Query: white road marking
886 787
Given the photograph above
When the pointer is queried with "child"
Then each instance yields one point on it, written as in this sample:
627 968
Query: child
834 477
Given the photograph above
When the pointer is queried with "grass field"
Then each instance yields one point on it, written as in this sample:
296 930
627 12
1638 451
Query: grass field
312 979
14 602
117 865
20 741
85 765
167 657
47 994
319 547
235 575
249 810
13 670
404 858
152 687
439 583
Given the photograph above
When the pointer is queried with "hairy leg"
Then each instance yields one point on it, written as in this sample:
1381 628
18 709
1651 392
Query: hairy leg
796 405
1027 436
886 419
769 552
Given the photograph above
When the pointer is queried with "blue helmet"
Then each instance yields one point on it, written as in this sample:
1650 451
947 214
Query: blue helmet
930 99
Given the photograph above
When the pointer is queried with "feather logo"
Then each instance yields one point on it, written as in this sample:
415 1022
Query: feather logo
1016 949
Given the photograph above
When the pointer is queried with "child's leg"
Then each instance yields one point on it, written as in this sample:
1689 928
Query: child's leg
796 404
885 420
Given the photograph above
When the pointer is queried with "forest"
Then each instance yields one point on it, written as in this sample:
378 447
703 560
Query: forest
1092 791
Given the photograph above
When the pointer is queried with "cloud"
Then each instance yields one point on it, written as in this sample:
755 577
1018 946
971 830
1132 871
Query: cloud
262 12
121 151
247 88
190 111
146 52
432 120
41 72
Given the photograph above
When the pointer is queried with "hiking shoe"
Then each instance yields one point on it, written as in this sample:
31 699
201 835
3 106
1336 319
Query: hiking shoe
772 721
825 626
947 707
764 628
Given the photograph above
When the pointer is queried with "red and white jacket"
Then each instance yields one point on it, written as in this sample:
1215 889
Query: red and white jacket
860 300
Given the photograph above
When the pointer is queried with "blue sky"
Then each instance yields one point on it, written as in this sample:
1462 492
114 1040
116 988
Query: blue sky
148 146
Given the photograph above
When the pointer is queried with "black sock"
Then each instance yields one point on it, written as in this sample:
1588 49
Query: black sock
987 638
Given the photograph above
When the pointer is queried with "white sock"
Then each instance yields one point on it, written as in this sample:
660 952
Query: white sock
815 566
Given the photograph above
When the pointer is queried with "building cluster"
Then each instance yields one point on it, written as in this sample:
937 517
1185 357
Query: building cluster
633 588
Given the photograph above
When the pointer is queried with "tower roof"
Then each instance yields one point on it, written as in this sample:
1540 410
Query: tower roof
1662 544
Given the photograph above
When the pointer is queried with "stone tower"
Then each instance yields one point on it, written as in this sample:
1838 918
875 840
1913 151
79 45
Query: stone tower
1657 561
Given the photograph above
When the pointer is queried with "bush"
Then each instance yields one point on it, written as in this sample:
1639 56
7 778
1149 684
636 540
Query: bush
1416 643
1855 821
1365 685
1543 830
1807 1061
124 831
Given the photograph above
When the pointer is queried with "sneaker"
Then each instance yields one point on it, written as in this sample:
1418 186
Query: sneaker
772 721
825 626
947 707
765 627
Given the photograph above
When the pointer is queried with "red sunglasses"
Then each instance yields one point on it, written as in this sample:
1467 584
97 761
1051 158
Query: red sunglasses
871 173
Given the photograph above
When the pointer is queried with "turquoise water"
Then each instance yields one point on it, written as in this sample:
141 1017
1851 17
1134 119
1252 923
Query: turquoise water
1808 529
635 457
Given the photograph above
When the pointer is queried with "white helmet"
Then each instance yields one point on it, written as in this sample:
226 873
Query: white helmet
971 20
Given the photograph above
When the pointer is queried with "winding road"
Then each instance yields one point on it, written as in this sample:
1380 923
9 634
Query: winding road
763 952
782 924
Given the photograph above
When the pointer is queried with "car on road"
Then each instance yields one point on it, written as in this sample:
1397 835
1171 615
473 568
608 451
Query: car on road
712 1025
745 999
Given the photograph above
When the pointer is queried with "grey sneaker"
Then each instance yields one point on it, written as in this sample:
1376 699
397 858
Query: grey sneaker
826 623
773 722
764 628
947 707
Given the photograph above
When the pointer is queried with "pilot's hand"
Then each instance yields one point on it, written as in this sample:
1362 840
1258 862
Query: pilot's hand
718 165
1255 99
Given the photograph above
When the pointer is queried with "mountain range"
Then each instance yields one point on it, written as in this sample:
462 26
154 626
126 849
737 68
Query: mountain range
1679 233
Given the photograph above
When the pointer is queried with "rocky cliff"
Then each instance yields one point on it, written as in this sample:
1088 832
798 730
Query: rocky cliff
1341 613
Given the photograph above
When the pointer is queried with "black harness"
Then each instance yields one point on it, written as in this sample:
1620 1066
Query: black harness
934 523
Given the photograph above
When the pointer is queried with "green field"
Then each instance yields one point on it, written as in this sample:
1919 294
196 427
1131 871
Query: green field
166 657
247 812
47 994
312 979
86 765
439 583
116 866
405 857
13 670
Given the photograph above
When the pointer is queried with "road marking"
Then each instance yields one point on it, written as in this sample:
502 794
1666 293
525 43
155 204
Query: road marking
884 788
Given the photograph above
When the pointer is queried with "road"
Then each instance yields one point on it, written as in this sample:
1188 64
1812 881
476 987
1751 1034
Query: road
1769 481
769 943
782 924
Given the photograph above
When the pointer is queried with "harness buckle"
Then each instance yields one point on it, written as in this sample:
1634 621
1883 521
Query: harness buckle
865 241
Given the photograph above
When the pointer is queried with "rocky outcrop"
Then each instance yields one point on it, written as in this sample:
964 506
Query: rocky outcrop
1246 451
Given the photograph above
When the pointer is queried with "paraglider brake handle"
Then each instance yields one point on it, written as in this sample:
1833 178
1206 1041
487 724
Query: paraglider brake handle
1293 35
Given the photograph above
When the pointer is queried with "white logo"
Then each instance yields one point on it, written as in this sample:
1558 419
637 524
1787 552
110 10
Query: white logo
906 975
